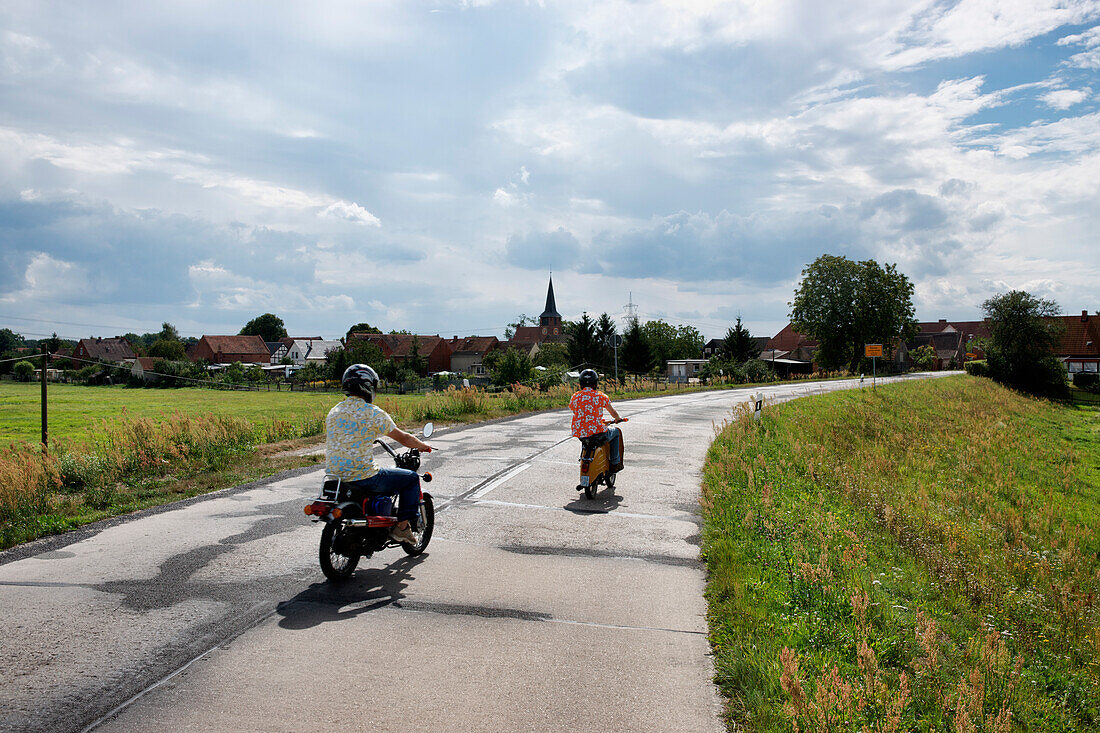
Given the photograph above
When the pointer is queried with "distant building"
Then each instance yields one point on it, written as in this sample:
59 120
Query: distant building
398 346
1079 348
305 351
467 354
230 349
549 329
116 350
684 370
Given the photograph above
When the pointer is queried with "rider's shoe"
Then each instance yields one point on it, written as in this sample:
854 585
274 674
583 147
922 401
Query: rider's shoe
616 467
404 536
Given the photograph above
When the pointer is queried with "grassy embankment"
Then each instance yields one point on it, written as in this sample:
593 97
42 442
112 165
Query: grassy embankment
115 450
925 556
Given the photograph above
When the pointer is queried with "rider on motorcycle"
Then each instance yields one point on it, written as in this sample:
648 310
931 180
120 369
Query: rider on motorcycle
588 404
350 430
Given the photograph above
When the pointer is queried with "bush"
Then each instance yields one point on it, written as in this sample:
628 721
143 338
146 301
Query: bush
23 371
979 368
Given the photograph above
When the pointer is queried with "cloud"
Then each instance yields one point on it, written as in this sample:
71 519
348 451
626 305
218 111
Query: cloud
350 211
1065 98
544 250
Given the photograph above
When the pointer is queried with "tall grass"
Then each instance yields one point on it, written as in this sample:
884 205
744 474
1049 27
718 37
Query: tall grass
924 556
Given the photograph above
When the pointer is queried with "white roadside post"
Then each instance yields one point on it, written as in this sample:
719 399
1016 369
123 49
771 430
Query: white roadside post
758 406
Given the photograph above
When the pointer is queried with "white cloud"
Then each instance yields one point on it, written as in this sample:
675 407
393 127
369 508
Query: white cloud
350 211
1065 98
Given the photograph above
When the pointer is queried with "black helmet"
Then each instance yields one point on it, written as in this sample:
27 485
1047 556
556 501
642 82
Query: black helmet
589 378
359 380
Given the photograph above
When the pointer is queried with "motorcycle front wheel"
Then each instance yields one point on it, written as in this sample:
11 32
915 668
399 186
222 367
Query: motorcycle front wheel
424 526
335 564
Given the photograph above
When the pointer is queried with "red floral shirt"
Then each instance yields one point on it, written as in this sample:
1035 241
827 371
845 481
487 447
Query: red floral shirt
588 405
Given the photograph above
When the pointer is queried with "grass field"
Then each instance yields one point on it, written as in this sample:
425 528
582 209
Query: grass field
75 412
924 556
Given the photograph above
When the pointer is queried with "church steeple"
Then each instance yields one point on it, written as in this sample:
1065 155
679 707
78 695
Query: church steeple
550 320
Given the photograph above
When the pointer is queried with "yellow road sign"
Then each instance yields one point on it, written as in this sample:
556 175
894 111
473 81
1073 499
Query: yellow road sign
873 350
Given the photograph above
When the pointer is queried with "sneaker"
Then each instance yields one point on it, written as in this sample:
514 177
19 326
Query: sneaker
404 536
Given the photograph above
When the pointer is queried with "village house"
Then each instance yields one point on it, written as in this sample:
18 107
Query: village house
230 349
305 351
398 346
467 354
116 350
1079 347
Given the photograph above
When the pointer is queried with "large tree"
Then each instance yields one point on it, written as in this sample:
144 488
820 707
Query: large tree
269 327
666 341
739 346
844 305
169 349
1022 337
361 328
583 349
605 330
634 355
9 340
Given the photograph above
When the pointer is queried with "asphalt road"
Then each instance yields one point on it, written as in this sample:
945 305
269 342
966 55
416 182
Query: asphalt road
533 609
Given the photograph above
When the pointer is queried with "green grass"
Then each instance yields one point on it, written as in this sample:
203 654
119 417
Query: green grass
924 556
75 412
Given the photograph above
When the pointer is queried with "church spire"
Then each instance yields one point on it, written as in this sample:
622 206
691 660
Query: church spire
551 310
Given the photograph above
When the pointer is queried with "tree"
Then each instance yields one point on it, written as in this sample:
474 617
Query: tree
168 332
605 330
923 357
634 354
167 349
358 351
844 304
9 340
523 320
739 346
269 327
582 341
552 355
415 361
1022 339
23 371
361 328
513 367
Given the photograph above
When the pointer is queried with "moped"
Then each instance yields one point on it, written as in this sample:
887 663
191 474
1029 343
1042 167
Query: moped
358 523
596 464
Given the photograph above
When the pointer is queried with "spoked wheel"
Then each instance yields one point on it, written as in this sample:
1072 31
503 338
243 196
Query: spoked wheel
337 561
424 526
590 490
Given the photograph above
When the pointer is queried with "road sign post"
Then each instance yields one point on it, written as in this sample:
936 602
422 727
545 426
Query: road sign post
615 341
874 351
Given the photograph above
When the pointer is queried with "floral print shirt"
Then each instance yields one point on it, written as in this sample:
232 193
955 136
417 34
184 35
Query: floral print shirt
588 405
350 430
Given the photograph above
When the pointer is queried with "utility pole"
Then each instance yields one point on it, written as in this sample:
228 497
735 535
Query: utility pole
45 366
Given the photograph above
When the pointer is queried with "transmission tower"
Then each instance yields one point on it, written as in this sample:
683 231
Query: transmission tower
631 310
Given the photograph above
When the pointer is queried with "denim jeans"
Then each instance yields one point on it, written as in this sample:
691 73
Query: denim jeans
400 481
610 435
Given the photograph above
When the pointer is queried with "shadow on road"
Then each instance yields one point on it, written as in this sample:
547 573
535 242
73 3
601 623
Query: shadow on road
366 590
605 502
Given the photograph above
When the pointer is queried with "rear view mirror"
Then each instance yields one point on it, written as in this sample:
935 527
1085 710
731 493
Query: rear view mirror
428 430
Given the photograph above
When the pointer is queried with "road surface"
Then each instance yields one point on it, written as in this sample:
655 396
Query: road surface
533 609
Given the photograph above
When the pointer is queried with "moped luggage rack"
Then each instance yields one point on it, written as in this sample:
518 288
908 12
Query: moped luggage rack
330 488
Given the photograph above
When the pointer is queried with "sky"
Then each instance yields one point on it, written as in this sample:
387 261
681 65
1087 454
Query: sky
425 165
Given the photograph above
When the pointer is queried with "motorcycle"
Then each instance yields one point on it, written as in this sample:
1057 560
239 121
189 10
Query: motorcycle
596 464
358 523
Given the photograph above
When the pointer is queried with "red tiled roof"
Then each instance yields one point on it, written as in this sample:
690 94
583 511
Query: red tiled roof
1080 330
111 349
237 344
473 344
788 340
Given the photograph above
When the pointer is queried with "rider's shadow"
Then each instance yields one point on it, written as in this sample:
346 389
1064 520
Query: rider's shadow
605 502
368 589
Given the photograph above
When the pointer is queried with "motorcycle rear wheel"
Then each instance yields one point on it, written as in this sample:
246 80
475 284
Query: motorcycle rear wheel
424 526
335 565
591 489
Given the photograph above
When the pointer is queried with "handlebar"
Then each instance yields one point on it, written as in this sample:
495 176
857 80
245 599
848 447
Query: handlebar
612 422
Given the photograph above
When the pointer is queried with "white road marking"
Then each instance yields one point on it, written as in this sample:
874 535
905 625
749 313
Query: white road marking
501 479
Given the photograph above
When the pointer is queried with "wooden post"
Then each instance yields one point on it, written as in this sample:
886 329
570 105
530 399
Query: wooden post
45 366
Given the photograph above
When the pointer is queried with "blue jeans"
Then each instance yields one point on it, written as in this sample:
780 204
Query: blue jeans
610 435
400 481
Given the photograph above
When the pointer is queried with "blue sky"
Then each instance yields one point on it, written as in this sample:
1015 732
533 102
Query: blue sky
422 165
